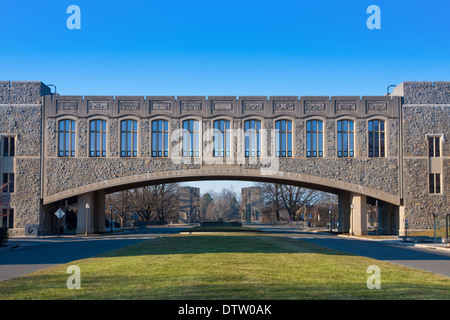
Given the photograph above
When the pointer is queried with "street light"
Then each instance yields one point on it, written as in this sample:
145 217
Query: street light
331 219
87 217
110 221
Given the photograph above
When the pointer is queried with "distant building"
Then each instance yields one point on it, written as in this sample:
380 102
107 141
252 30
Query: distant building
189 203
251 205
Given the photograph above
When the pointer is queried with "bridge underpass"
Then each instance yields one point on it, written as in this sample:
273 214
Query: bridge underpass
352 213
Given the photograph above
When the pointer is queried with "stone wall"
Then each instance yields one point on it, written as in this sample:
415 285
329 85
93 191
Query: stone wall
426 111
20 117
412 111
380 174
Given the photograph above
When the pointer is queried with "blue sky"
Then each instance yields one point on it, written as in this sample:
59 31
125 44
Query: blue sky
233 47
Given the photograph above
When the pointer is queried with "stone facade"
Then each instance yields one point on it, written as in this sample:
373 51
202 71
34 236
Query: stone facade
413 111
251 205
425 112
189 204
20 118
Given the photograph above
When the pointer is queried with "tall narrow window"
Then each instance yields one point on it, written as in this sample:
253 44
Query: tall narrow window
314 138
160 138
434 147
222 138
283 138
435 182
128 140
345 142
191 138
97 143
376 138
8 146
8 183
66 146
252 130
7 218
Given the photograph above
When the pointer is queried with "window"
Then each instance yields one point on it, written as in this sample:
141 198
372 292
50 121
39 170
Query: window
283 138
222 138
314 138
252 130
191 138
345 131
434 147
97 142
66 146
8 147
435 182
376 138
160 138
8 218
8 183
128 140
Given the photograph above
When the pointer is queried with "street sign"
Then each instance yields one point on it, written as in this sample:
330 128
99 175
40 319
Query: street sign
59 214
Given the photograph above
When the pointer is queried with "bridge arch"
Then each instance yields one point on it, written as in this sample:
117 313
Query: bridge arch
352 198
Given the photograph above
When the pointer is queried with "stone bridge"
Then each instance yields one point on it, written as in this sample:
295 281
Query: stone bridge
388 148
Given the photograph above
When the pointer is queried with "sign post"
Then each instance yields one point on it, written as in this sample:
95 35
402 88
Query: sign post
59 214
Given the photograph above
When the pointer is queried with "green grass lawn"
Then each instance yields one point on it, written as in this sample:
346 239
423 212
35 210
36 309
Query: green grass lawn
227 266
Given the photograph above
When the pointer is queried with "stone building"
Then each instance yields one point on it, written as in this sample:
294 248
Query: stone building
251 205
390 148
189 202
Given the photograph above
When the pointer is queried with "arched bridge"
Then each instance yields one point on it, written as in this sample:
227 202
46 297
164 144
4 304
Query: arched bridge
388 148
345 145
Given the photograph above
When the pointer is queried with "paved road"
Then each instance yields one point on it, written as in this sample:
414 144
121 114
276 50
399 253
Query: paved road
387 250
423 259
33 254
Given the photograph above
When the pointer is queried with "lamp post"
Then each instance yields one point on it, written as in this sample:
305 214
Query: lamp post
87 217
330 212
110 221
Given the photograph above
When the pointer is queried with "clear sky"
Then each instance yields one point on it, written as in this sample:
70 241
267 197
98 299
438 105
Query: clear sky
232 47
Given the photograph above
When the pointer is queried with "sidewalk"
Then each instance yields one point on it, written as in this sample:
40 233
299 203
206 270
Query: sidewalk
441 246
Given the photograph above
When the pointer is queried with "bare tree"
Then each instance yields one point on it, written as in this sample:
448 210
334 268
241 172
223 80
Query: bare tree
121 202
223 205
271 196
156 202
293 199
296 199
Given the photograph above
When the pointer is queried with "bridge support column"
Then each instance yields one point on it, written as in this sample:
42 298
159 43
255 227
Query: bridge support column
358 214
344 212
95 214
99 211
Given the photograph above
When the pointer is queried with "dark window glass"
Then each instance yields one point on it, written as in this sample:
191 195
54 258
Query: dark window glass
345 138
160 138
314 138
128 138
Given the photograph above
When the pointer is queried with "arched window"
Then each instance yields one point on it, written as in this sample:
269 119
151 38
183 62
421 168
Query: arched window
222 138
97 138
128 138
376 138
314 138
252 131
66 143
160 138
191 138
283 138
345 138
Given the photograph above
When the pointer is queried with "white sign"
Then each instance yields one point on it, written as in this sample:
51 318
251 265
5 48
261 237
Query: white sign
59 214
